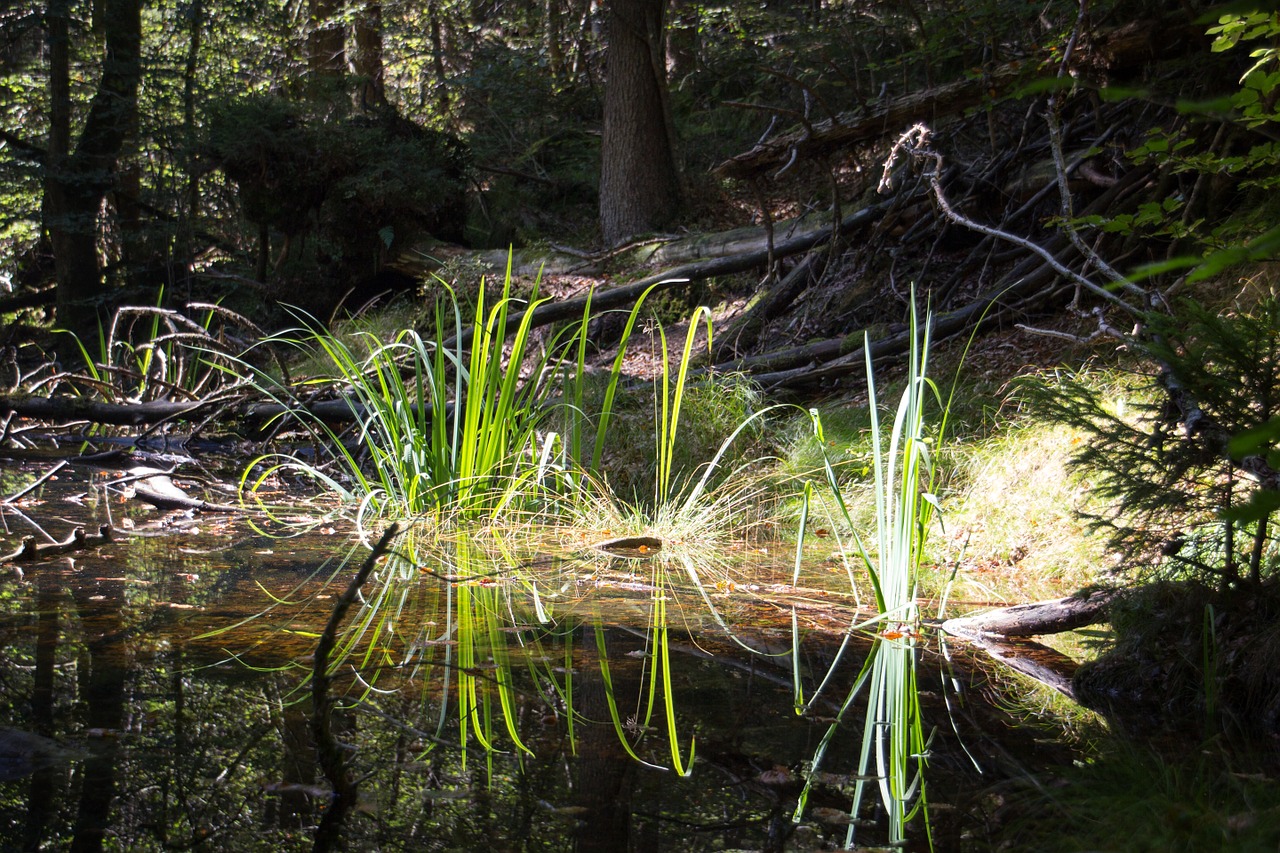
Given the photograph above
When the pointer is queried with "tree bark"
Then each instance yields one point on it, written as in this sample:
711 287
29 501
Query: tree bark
367 59
77 181
553 15
639 185
326 40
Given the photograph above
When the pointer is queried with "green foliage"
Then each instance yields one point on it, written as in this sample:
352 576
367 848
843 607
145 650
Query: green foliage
1259 85
1165 463
501 426
530 138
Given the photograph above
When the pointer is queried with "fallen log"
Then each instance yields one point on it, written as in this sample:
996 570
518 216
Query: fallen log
746 329
155 487
848 129
66 408
1023 288
625 295
1035 619
1047 666
1125 47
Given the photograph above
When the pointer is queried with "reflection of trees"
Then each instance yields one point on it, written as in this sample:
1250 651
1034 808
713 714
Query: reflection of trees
293 806
102 669
604 775
40 800
219 755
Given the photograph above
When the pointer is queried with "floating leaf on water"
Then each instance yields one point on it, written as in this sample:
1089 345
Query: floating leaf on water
567 811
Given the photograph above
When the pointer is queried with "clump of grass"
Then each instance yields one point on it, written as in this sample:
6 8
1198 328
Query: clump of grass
437 431
691 498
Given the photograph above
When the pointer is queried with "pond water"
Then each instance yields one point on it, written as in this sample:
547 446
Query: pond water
157 694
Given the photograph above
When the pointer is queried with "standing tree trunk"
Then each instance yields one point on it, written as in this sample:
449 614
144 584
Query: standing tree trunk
436 31
326 43
367 58
552 14
639 186
191 202
76 181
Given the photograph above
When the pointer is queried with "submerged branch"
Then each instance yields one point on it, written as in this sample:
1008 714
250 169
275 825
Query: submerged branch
30 551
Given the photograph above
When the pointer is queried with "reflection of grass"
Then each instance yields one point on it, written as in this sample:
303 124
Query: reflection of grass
442 615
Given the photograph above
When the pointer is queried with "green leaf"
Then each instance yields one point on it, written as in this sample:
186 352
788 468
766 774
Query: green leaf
1256 440
1262 505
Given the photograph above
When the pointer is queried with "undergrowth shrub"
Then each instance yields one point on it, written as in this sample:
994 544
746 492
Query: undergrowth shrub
1183 502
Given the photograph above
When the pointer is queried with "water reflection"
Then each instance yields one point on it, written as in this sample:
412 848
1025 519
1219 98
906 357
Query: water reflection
483 699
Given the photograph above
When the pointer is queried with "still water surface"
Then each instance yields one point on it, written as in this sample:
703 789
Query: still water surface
156 695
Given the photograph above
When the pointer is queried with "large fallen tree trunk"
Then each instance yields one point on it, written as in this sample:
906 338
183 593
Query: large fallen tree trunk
625 295
1131 45
649 253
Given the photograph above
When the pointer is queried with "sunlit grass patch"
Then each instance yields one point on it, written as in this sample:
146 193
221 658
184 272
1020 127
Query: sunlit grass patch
1013 519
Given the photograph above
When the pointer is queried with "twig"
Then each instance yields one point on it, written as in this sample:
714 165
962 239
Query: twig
37 484
29 550
916 141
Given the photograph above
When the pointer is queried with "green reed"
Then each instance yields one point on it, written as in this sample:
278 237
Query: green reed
438 430
894 746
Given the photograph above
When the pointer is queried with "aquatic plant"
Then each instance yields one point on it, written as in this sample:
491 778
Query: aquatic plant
688 501
437 429
894 746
